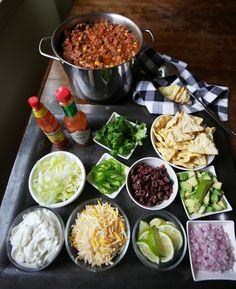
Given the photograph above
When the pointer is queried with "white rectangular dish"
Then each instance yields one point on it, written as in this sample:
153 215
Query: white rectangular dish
200 275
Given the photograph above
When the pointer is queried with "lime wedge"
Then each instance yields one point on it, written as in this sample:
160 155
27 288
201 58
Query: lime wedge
153 241
146 251
156 222
174 234
143 236
165 246
143 226
169 223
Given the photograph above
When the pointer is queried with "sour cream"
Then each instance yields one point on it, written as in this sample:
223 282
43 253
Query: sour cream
36 240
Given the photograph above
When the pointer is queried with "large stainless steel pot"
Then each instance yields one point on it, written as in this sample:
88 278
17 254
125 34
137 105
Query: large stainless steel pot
97 85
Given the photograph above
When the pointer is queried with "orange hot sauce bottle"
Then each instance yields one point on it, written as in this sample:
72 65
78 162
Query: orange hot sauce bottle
74 120
48 123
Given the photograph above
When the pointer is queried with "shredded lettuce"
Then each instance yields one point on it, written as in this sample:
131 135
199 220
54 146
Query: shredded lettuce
56 179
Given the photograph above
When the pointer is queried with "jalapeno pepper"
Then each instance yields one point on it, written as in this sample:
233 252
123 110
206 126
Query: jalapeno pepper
108 175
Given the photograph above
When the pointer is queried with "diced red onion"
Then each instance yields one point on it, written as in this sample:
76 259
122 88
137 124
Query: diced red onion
211 248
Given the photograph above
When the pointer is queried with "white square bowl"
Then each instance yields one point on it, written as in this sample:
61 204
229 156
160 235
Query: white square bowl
200 275
105 157
196 216
112 118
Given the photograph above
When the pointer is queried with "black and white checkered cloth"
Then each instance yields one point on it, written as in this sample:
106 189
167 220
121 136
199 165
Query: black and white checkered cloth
146 88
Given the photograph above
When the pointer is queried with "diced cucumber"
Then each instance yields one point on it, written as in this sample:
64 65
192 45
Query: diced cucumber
193 181
214 197
202 209
198 174
206 175
201 192
217 185
210 209
183 176
217 207
187 187
223 204
182 192
190 205
191 174
206 199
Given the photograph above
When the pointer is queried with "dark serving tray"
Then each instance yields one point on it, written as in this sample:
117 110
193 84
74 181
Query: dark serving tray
130 272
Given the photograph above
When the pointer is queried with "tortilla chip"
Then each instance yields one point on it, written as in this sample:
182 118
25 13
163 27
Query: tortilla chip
188 124
209 132
202 144
176 93
185 164
163 133
174 120
174 136
162 121
196 119
160 139
200 160
183 145
167 153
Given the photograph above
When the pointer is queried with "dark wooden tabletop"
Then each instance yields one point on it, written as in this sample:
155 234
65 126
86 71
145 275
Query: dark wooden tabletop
201 33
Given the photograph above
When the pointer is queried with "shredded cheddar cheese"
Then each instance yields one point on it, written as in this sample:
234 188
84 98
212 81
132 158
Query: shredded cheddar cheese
98 234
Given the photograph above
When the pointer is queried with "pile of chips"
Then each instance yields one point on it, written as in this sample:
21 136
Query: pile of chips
183 140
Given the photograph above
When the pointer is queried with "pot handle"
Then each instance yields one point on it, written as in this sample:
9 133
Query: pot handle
43 53
152 38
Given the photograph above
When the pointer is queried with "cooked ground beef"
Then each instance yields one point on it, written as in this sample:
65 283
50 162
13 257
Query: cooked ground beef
99 45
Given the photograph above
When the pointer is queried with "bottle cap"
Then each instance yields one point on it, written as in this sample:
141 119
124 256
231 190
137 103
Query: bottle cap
34 102
63 94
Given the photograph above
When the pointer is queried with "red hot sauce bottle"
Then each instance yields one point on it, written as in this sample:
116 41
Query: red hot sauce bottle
48 123
74 120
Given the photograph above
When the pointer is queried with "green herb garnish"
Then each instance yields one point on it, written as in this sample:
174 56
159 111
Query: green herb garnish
121 136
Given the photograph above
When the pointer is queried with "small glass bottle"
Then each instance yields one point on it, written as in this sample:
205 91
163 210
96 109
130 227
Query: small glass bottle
48 123
74 120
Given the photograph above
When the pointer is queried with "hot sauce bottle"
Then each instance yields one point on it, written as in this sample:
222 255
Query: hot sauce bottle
74 120
48 123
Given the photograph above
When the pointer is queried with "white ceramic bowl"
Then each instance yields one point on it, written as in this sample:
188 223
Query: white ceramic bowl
31 217
80 181
210 158
154 162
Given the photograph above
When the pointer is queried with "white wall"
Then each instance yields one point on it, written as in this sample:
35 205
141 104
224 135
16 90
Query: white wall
22 24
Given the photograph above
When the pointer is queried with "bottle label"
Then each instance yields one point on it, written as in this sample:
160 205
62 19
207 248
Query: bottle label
81 137
56 136
40 113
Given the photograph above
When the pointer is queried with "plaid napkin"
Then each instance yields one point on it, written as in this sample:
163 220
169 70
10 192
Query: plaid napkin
146 88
